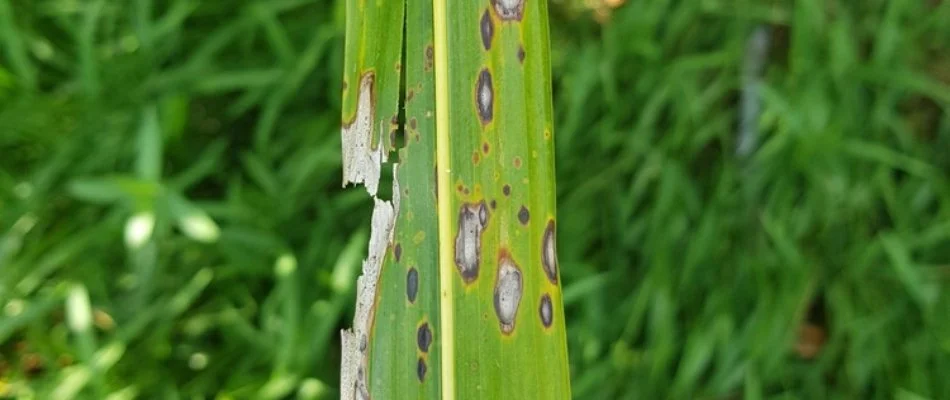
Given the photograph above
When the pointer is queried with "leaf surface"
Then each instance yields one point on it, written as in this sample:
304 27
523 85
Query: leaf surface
460 296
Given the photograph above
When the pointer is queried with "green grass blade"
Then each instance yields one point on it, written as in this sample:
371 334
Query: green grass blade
370 120
460 294
14 47
501 293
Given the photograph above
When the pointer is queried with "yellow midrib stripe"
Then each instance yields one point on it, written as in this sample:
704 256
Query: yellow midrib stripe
446 267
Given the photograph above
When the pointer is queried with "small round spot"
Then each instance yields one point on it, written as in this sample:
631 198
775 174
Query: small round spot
412 123
546 311
547 134
412 284
424 337
345 85
493 204
488 30
549 252
475 158
421 369
523 215
485 148
506 190
521 54
517 162
509 10
409 94
508 288
484 96
397 252
398 66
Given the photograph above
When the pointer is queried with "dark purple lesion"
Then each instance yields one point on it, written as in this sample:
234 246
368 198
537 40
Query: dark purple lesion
487 29
421 369
546 310
523 215
424 337
412 284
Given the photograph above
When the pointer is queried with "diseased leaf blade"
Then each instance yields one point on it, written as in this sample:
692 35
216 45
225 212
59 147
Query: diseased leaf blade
370 111
499 198
460 294
404 350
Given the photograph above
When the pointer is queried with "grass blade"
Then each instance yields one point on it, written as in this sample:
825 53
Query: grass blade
497 203
464 302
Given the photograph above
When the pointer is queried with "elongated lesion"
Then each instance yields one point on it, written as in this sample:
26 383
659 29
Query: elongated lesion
484 96
508 290
362 160
468 241
355 360
549 252
362 163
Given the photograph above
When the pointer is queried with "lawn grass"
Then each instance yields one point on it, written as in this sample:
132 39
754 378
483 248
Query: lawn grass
691 268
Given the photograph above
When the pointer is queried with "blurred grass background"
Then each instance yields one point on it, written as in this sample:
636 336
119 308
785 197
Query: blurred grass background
754 198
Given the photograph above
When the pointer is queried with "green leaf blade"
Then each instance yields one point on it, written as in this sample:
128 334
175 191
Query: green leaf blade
460 296
404 351
508 321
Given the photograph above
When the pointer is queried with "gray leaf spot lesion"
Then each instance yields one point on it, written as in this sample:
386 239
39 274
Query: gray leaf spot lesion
360 391
546 310
468 241
484 96
361 159
488 30
424 337
509 10
549 252
354 342
523 215
508 291
412 284
429 58
421 369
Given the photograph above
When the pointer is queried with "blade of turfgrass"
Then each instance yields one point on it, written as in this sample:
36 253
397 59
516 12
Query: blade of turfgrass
464 273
